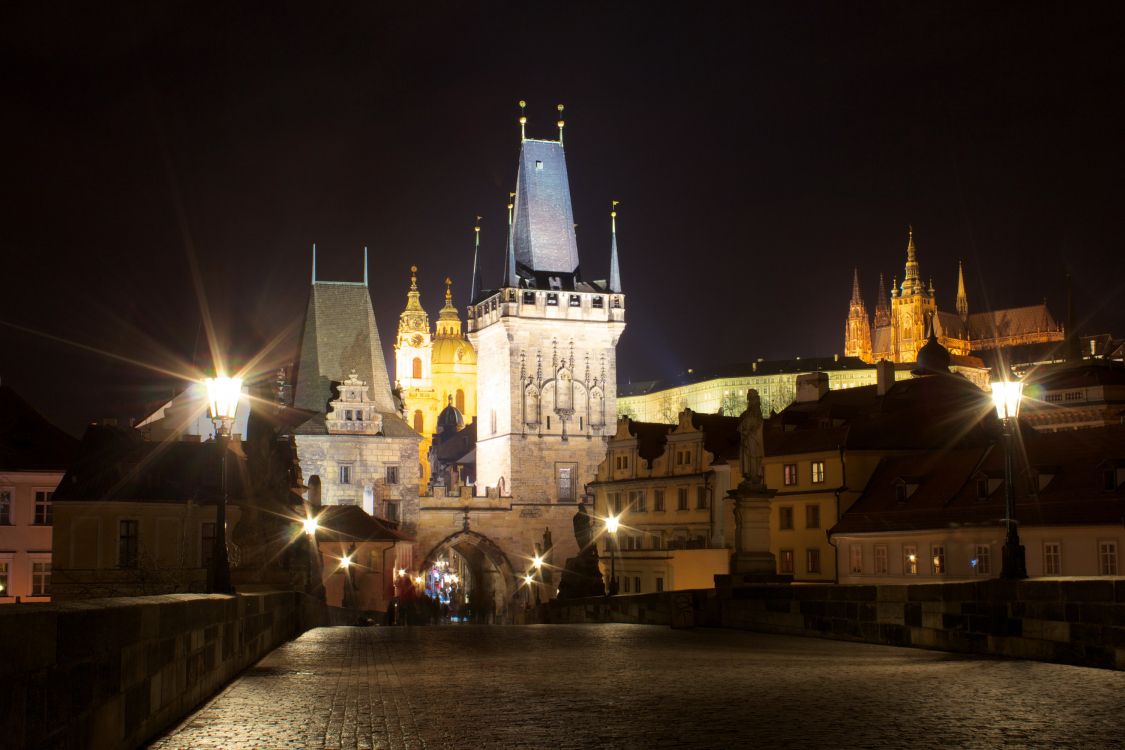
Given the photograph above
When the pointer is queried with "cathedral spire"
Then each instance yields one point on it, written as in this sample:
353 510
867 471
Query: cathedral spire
614 265
856 298
882 305
911 281
962 298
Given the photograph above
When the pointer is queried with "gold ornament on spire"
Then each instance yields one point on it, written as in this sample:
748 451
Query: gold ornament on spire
414 278
448 290
523 120
561 124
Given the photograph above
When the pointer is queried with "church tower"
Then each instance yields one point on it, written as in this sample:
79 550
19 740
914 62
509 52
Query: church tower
413 371
546 344
962 297
912 304
857 335
454 361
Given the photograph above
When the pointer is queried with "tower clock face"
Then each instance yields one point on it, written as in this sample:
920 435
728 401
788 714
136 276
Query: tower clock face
416 340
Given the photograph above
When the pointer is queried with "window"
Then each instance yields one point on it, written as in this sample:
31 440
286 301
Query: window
785 561
128 543
790 474
1107 558
622 460
637 501
857 558
881 567
418 421
1052 558
900 492
636 584
910 559
552 298
982 563
575 301
818 472
1109 480
812 560
4 578
493 421
206 543
785 518
416 367
5 507
459 400
812 516
392 475
681 498
658 500
598 303
529 298
937 559
348 415
659 583
656 541
982 488
345 474
701 498
566 483
41 578
392 511
43 512
613 503
626 580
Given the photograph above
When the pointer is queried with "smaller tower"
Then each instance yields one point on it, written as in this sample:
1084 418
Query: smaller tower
857 335
413 344
882 305
962 298
614 265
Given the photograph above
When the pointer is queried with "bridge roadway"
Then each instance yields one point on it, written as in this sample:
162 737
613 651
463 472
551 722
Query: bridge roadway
636 686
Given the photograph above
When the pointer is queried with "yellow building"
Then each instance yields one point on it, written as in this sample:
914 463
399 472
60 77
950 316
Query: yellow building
432 371
902 322
667 484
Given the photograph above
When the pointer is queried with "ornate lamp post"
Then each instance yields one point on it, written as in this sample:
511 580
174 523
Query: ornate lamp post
311 526
1006 396
611 525
223 394
537 563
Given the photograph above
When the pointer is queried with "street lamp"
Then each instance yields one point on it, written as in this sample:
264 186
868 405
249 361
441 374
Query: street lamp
1006 396
310 525
223 394
611 525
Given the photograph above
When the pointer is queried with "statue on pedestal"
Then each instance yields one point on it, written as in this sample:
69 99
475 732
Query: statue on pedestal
582 577
751 445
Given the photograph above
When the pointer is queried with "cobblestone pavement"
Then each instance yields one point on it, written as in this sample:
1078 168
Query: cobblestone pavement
636 686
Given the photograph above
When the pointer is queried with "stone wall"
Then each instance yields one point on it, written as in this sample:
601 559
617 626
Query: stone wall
114 673
1079 621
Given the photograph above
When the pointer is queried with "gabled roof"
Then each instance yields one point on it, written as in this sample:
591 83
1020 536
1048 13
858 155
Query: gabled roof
28 442
340 334
350 523
1014 321
543 225
1070 464
117 463
933 412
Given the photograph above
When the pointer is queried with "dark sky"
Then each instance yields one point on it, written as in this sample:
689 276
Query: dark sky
759 152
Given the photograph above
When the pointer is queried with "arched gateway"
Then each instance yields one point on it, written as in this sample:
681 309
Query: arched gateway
471 573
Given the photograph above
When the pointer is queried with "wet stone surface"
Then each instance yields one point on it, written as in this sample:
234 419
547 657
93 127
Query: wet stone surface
635 686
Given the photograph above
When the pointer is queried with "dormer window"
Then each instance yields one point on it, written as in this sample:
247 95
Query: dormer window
554 282
983 489
1109 480
905 488
552 299
900 493
529 298
598 303
538 166
575 300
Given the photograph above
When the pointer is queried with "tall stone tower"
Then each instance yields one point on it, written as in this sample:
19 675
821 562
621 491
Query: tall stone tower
857 336
912 307
414 373
546 345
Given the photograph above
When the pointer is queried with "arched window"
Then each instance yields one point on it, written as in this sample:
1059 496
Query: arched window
417 367
418 419
460 401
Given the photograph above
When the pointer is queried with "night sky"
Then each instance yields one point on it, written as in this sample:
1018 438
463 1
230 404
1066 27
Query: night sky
759 154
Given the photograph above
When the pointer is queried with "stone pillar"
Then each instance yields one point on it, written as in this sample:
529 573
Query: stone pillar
752 533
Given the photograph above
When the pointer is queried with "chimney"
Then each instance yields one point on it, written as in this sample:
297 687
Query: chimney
884 376
812 386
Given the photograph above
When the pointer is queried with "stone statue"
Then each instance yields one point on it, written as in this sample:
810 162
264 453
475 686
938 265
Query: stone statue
583 527
752 445
548 542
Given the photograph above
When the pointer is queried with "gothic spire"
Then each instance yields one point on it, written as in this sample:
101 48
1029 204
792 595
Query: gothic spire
882 305
614 265
912 281
962 298
474 290
856 298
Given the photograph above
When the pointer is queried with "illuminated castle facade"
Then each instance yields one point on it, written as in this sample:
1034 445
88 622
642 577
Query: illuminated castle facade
433 371
901 322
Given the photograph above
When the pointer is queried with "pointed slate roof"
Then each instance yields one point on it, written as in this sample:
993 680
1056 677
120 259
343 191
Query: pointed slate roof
339 335
543 232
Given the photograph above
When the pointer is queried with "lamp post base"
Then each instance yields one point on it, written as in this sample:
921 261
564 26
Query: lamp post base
1014 561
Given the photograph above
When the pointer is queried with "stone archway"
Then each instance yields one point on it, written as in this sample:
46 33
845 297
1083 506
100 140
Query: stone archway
493 588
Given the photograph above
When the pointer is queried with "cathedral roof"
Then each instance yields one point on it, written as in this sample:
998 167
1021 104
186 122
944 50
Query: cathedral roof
1014 321
543 228
340 335
449 350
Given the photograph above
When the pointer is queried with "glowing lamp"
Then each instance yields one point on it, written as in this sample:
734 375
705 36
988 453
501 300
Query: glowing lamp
310 525
537 562
612 523
527 579
402 572
345 562
1006 396
223 394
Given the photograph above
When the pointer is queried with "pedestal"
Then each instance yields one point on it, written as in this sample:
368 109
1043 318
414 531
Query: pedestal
752 561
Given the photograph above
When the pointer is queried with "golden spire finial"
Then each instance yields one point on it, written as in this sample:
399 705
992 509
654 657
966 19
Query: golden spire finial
561 124
448 290
414 278
613 215
523 120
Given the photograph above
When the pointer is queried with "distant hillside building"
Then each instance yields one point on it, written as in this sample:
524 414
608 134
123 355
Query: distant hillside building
901 321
